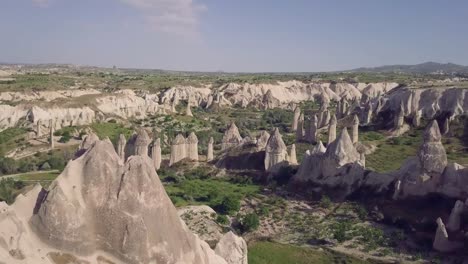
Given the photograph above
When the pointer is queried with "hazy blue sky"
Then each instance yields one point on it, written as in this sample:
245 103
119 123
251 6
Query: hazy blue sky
234 35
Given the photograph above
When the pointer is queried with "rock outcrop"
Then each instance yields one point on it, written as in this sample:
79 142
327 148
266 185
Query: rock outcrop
292 155
101 208
300 128
178 149
275 152
156 154
192 147
141 143
311 132
297 114
441 240
355 130
231 138
121 143
332 129
51 134
209 154
232 248
262 140
453 224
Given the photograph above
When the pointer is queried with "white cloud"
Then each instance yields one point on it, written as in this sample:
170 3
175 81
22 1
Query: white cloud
180 17
41 3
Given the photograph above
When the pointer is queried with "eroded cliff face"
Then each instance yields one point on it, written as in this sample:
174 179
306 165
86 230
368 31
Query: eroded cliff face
84 106
100 205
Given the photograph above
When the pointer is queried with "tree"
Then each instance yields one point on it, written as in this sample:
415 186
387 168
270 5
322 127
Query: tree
249 222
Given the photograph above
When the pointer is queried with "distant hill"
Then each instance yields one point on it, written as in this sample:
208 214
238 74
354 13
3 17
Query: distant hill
427 68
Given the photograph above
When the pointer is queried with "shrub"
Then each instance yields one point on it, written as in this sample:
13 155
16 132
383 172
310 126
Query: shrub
249 222
325 202
222 220
229 205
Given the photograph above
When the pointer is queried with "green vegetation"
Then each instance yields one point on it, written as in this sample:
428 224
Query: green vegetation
249 222
10 138
274 253
9 189
111 130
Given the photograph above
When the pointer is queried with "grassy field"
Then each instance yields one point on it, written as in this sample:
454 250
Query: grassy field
111 130
273 253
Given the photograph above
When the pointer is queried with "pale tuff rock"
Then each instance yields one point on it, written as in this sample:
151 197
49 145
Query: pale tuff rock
300 128
441 240
178 150
400 118
430 101
269 101
100 204
367 115
275 152
292 155
232 248
432 153
210 155
156 154
417 118
121 146
38 129
231 138
88 141
201 220
319 148
311 133
397 191
446 126
342 150
192 147
323 119
332 129
262 140
188 111
51 133
355 130
297 114
141 143
454 219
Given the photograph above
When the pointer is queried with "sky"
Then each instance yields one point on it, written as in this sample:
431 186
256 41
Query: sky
234 35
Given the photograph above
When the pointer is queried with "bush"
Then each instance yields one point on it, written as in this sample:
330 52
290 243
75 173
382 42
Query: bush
228 205
325 202
56 163
249 222
65 137
222 220
8 166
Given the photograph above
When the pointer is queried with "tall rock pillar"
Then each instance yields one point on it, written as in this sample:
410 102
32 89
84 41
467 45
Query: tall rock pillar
355 130
51 136
209 155
121 146
332 129
156 153
192 147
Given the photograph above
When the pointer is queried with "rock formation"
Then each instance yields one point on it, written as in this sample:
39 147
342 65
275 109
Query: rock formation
99 204
453 224
178 149
38 128
156 154
355 130
432 153
292 155
141 143
192 147
121 146
300 128
232 248
88 141
417 119
323 119
262 140
210 155
332 129
231 138
188 110
446 126
275 152
51 134
399 118
297 114
312 133
441 240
